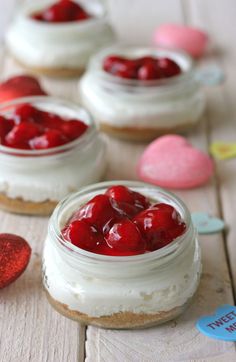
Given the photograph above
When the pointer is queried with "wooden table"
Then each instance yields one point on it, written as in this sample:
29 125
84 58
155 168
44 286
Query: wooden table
30 330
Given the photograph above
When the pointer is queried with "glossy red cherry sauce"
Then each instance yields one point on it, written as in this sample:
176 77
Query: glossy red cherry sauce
145 68
62 11
30 128
123 222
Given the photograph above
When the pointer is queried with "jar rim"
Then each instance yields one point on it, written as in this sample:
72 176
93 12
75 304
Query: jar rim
95 63
75 251
80 141
29 9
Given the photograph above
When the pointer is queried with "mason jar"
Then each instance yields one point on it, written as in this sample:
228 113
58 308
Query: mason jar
57 49
34 181
120 292
142 110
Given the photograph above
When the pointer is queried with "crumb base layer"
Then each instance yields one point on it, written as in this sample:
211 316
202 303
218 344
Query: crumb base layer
57 72
142 134
19 206
122 320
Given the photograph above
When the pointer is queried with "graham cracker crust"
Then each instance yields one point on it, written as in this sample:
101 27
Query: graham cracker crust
19 206
121 320
62 72
142 134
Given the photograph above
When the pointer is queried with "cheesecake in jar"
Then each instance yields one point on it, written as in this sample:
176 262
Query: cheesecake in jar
48 148
121 256
140 93
56 38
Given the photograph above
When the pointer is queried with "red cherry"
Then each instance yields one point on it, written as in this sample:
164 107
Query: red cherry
26 112
149 71
125 209
125 236
21 134
169 67
123 194
106 250
14 257
81 15
63 11
97 212
120 193
110 61
6 126
20 86
73 129
160 225
50 120
51 138
81 234
38 17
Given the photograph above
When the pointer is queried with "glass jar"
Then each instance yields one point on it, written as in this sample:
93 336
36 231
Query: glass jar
34 181
142 110
120 292
63 49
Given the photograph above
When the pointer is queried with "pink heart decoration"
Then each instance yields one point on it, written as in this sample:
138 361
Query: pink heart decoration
172 162
187 38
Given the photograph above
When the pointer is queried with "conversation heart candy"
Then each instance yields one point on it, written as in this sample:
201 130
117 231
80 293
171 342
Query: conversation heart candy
221 325
172 162
189 39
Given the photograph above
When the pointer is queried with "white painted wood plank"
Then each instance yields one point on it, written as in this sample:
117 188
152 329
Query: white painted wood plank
135 20
221 104
30 330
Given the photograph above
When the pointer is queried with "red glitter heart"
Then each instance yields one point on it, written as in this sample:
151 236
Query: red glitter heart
14 257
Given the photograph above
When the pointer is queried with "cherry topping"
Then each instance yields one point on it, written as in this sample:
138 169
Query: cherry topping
125 236
149 71
73 129
123 194
97 212
21 134
32 128
169 67
159 224
144 68
26 112
122 222
62 11
81 234
51 138
5 126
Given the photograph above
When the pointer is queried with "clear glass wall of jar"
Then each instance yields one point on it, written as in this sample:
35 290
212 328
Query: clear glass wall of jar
142 110
120 292
34 181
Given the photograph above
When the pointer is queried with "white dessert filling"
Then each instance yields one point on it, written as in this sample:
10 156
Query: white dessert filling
40 180
67 45
120 109
152 292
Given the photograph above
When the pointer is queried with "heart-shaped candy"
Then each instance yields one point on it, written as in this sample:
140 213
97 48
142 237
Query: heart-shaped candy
20 86
222 150
207 224
221 325
178 36
172 162
14 257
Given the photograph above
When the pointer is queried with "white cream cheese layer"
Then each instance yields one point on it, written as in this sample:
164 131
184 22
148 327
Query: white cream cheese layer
51 178
120 109
88 292
67 45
